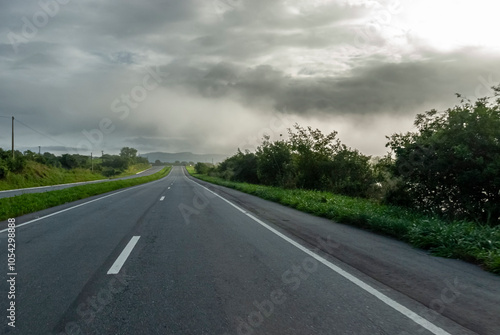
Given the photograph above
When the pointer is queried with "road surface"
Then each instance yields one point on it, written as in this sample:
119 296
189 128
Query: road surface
40 189
179 256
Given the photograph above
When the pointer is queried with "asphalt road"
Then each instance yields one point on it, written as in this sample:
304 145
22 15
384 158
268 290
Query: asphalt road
40 189
172 257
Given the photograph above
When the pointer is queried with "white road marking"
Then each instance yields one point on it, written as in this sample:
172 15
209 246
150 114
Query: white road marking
353 279
163 197
169 187
117 265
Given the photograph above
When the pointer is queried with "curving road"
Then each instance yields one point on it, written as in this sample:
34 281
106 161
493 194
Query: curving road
180 256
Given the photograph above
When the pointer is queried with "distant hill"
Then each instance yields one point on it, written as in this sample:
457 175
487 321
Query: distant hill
183 157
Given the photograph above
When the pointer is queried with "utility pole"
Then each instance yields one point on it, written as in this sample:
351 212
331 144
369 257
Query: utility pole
39 147
12 137
91 162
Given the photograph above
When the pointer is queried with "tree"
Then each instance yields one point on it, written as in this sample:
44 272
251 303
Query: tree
30 155
49 159
351 173
116 162
274 163
128 153
312 153
69 161
240 167
312 160
203 168
451 165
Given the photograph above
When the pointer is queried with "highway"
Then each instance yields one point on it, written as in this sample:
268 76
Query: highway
40 189
180 256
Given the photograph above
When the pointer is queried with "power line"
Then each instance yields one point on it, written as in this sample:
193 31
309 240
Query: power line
39 132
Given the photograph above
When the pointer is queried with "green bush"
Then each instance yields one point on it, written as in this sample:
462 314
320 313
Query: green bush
110 172
274 163
451 165
308 160
240 167
3 170
203 168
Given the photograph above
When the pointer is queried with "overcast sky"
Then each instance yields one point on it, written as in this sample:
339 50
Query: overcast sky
209 76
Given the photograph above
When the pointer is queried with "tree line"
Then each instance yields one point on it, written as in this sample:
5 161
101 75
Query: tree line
107 165
449 166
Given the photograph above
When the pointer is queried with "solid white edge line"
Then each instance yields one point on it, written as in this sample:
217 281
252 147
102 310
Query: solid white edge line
117 265
83 204
356 281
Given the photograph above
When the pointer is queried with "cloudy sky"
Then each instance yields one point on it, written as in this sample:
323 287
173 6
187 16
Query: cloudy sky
209 76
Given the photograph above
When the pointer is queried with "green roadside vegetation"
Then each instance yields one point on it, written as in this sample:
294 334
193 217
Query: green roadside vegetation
479 244
29 169
35 174
29 203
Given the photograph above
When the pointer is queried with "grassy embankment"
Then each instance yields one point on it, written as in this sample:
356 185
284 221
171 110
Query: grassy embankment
29 203
36 174
133 169
468 241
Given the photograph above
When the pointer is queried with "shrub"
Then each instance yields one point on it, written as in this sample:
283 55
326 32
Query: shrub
451 165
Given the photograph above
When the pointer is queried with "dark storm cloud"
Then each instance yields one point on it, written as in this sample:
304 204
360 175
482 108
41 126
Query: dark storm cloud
374 88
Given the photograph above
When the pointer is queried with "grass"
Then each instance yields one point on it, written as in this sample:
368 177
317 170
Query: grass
478 244
133 169
29 203
36 174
